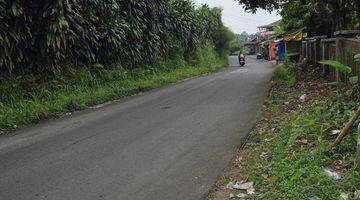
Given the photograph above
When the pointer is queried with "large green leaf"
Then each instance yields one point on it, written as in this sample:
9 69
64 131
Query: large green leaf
337 65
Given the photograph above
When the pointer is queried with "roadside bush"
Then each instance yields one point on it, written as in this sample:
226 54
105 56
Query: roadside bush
280 73
282 76
46 102
204 55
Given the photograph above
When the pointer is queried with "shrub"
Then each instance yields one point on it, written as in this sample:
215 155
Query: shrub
282 76
280 73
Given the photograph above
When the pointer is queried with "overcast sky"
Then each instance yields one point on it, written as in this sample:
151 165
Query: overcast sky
235 17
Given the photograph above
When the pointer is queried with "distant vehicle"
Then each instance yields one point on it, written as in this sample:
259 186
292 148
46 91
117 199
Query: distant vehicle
259 56
241 59
242 62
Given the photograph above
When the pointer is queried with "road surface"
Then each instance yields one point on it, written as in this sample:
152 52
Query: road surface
169 143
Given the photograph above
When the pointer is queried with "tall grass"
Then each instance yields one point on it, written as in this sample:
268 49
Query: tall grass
80 88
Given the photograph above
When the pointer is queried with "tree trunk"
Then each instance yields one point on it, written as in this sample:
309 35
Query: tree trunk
339 14
346 129
336 15
343 17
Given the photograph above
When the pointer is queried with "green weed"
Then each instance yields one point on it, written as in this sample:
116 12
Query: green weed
79 88
300 152
289 148
282 76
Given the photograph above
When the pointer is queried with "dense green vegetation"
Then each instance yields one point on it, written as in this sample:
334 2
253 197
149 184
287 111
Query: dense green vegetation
59 56
320 17
289 149
42 36
82 88
297 148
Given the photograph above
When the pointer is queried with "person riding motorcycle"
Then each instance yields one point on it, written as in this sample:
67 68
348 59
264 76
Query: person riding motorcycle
242 58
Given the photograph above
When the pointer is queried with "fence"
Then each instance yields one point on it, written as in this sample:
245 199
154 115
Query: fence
340 48
328 52
345 51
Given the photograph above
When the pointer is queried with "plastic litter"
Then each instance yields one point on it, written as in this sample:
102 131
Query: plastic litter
357 194
264 155
249 186
335 132
303 97
332 174
312 198
344 196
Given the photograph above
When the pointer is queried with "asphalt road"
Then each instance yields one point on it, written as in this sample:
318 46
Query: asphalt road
169 143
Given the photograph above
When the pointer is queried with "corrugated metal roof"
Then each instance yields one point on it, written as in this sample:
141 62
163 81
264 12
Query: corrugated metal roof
271 25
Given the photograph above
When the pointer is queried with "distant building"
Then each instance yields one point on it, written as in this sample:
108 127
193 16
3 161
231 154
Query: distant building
266 31
265 37
252 46
293 41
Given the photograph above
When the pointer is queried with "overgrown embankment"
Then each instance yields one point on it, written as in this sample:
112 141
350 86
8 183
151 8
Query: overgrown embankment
288 152
60 56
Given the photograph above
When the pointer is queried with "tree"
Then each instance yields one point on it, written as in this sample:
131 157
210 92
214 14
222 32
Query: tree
319 16
244 36
44 36
237 44
307 13
254 5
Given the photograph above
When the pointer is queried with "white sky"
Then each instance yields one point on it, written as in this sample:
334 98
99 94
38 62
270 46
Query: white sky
235 17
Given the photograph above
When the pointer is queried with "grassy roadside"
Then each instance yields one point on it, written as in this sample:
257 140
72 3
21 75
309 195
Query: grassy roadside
54 99
288 150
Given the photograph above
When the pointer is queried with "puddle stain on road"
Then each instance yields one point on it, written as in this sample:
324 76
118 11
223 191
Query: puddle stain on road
241 70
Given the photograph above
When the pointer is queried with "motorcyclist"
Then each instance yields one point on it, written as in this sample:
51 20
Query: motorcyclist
241 56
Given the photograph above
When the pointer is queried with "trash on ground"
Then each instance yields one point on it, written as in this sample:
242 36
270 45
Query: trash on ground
231 196
302 141
344 196
332 174
230 186
248 186
265 176
97 106
335 132
312 198
357 194
303 97
264 155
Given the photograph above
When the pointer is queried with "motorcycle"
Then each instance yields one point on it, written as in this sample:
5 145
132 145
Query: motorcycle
242 61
